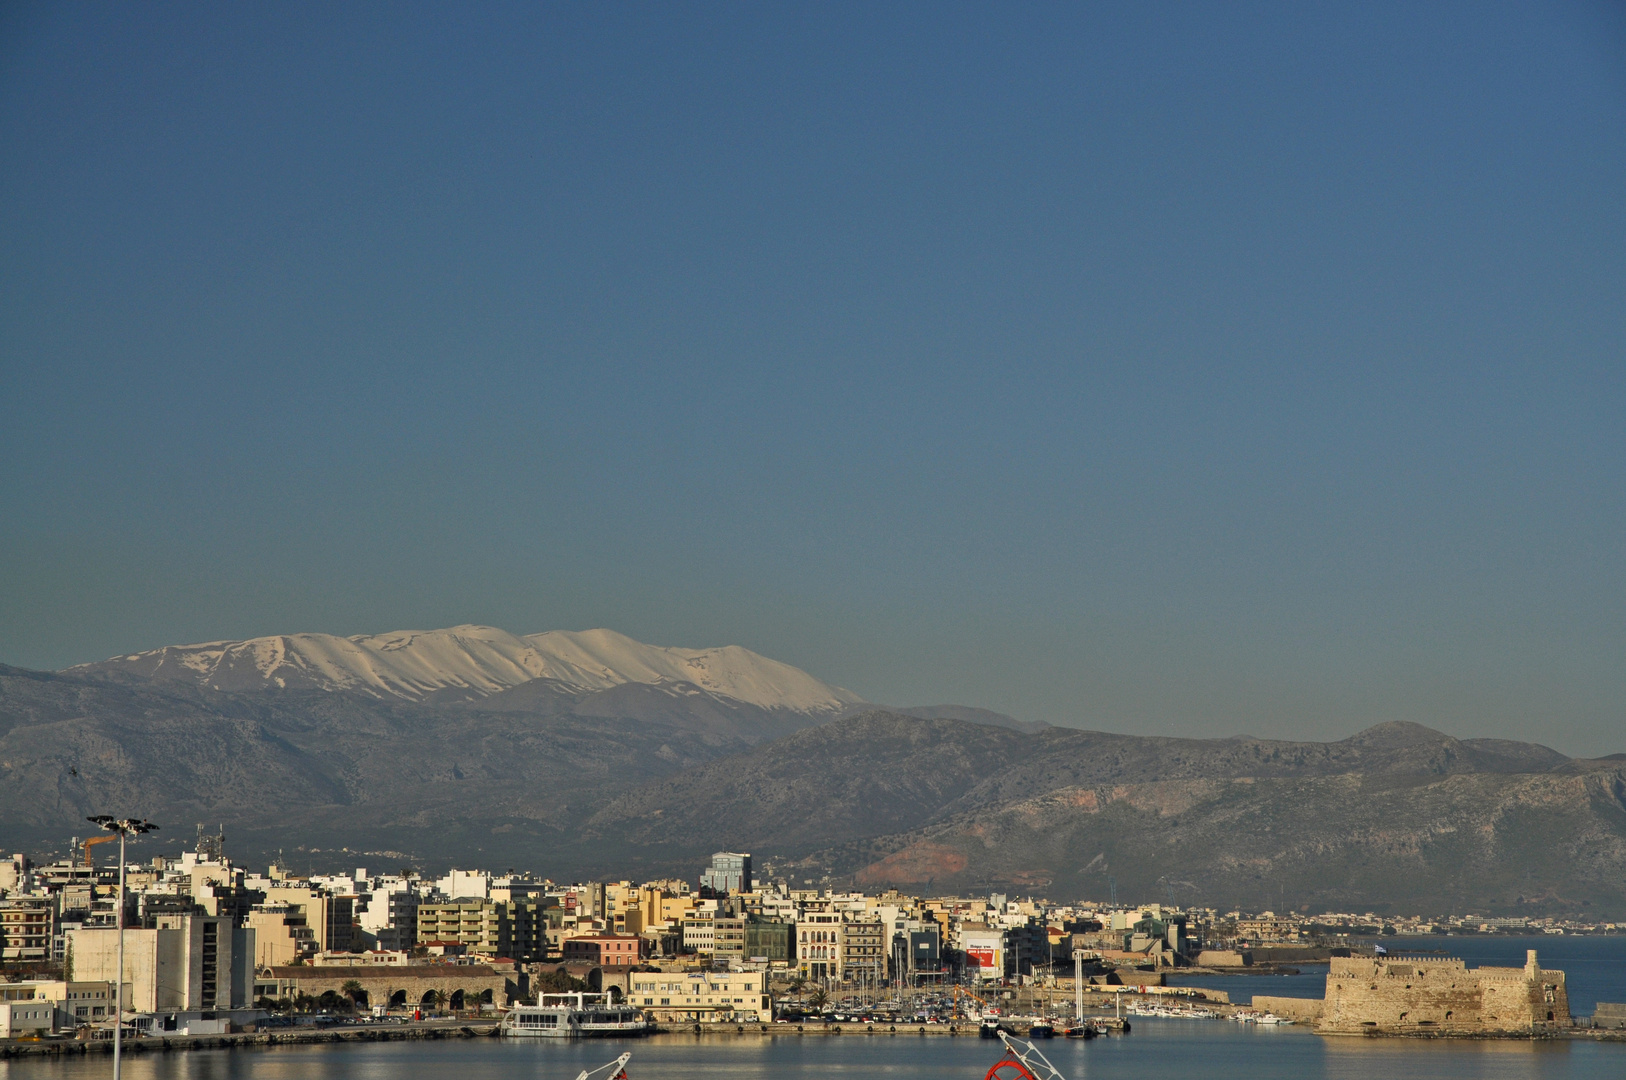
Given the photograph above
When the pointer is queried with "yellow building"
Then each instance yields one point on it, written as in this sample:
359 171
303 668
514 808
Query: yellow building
330 918
703 997
281 934
514 929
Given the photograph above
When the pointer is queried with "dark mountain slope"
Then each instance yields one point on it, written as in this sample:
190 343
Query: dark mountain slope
299 764
1396 814
878 771
1497 841
650 780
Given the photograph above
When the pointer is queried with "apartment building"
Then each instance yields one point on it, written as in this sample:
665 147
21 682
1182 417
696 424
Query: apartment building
25 929
331 918
700 933
281 935
864 949
819 936
515 929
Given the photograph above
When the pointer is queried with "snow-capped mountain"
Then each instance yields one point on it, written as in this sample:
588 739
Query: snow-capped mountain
477 661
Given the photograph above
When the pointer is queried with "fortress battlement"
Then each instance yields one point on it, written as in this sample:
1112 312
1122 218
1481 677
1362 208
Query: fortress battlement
1441 995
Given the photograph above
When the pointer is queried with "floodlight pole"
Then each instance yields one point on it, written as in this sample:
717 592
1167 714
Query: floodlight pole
118 991
124 827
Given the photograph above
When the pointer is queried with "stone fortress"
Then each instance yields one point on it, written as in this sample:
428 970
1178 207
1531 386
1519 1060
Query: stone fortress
1414 995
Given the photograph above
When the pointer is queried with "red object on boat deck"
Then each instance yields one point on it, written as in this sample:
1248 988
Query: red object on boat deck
1008 1068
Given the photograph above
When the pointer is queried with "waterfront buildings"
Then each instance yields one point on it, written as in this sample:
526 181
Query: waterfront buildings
205 935
701 997
184 963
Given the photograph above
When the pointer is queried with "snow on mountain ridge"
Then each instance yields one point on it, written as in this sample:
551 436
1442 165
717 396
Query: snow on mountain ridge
600 659
485 660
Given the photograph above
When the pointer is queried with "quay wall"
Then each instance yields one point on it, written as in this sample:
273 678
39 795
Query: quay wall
1300 1010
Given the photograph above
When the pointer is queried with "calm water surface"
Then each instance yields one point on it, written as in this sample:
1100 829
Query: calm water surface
1197 1049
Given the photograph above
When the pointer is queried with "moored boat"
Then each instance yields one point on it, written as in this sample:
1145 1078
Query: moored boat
574 1016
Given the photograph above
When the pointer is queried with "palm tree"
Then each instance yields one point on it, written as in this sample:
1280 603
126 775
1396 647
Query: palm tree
816 999
352 990
437 998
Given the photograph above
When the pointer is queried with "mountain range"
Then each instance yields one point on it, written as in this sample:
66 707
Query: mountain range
589 753
473 662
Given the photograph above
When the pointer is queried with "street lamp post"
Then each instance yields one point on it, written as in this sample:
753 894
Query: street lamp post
124 827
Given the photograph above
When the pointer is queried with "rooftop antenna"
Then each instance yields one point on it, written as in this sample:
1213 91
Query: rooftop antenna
1112 883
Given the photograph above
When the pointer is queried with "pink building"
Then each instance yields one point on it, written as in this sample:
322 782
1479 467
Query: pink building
605 950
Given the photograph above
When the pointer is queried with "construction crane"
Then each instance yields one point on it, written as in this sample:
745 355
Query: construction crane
960 991
90 863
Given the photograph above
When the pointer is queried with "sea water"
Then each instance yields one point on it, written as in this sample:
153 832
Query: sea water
1595 970
1199 1049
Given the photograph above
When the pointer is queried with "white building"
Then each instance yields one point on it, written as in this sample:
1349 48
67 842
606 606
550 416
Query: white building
985 951
19 1018
189 962
465 884
700 933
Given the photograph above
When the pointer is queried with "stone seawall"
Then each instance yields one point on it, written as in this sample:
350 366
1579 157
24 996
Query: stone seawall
281 1037
1300 1010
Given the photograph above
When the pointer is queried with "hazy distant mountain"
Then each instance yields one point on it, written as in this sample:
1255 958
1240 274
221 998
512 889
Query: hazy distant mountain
611 764
960 712
474 662
1396 816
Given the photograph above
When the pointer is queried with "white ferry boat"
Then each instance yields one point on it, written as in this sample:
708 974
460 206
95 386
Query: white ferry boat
574 1016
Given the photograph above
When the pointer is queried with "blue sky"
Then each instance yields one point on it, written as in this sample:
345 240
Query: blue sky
1171 368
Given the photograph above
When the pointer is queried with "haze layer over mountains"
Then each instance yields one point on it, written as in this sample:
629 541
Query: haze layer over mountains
589 753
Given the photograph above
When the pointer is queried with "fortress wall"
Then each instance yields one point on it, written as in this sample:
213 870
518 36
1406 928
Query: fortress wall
1402 996
1416 995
